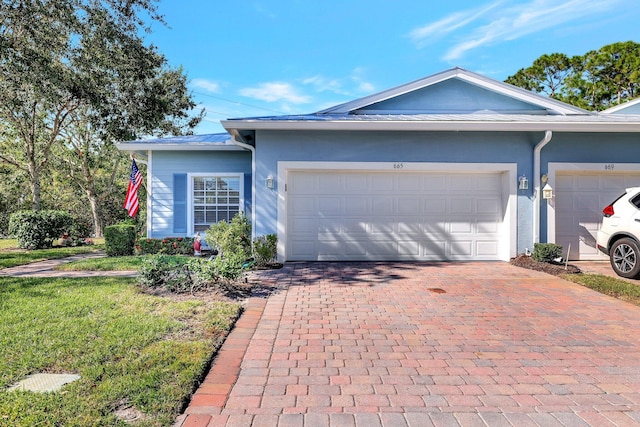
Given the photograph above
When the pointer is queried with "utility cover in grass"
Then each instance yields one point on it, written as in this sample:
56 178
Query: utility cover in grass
42 383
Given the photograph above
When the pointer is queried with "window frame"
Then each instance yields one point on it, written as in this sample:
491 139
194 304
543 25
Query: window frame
190 196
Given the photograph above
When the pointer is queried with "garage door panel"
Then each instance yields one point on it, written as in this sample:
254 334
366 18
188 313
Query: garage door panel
302 225
382 206
435 205
394 216
461 206
487 248
487 227
434 249
304 205
461 228
328 206
488 206
461 248
460 183
411 206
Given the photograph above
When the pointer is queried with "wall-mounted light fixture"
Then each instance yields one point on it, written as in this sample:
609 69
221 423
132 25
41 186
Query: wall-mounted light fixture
523 183
547 192
270 182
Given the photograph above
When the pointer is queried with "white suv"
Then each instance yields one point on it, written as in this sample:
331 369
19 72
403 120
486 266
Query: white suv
619 235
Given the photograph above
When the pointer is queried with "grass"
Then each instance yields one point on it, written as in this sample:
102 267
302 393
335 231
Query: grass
131 350
611 286
12 258
8 244
124 263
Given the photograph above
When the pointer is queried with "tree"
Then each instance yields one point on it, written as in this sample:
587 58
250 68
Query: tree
596 80
547 75
61 59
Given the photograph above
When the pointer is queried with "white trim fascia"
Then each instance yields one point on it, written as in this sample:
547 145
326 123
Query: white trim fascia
609 168
191 175
509 188
149 193
177 147
453 126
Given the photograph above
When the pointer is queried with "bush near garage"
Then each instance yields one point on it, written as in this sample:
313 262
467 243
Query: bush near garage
38 229
232 237
546 252
168 246
265 249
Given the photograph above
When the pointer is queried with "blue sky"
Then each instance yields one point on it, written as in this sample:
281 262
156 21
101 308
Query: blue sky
272 57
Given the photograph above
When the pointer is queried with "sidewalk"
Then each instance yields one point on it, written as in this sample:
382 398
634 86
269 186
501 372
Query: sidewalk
46 268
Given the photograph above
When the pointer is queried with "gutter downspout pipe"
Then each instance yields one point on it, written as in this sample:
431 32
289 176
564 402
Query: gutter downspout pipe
253 183
536 184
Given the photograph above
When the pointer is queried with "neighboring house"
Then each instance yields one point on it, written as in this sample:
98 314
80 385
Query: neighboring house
449 167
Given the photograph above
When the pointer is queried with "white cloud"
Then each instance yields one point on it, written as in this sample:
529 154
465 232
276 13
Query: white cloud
436 30
275 91
492 24
207 85
352 85
323 84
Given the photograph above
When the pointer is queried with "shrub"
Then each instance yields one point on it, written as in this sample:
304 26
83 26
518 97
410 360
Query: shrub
181 274
168 245
230 266
77 233
265 249
119 239
231 237
546 252
38 229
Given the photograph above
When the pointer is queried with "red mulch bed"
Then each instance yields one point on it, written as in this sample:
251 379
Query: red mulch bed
525 261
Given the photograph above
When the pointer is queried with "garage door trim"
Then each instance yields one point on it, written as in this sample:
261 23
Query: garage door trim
509 189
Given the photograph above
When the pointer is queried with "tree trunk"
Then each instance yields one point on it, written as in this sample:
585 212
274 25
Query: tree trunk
98 225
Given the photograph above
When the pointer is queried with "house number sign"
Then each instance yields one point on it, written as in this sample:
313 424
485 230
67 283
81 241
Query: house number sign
398 165
609 167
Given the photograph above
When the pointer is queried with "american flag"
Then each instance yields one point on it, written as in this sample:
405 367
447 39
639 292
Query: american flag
131 201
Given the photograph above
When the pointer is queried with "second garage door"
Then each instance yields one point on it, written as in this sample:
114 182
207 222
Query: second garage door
337 215
580 198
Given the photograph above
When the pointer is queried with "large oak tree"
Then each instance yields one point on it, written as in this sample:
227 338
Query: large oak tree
69 65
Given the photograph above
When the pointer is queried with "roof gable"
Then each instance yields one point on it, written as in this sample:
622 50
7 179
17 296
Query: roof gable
455 91
629 107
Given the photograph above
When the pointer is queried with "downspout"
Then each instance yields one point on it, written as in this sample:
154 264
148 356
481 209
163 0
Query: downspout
253 183
536 184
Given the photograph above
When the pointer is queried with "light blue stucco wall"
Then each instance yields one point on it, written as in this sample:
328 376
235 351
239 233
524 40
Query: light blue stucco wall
610 148
167 163
453 147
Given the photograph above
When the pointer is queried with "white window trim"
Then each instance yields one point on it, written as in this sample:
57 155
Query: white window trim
509 184
191 176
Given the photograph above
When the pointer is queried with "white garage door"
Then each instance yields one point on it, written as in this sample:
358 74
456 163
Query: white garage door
337 215
579 200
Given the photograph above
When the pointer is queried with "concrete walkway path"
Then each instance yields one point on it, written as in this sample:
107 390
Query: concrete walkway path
46 268
424 344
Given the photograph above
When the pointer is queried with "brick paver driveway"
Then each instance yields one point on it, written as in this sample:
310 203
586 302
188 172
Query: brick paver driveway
412 344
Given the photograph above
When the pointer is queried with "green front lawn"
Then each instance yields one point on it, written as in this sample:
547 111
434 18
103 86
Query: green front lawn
135 352
123 263
11 257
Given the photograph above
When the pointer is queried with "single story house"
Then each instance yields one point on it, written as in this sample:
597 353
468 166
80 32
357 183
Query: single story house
448 167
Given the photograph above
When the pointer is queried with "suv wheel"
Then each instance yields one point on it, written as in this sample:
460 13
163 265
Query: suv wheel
625 258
